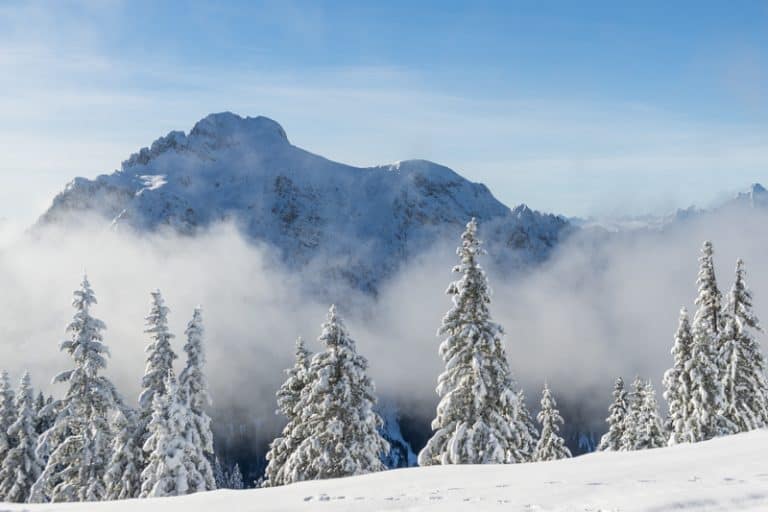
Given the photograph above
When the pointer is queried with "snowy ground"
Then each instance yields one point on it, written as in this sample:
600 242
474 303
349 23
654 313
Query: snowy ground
726 474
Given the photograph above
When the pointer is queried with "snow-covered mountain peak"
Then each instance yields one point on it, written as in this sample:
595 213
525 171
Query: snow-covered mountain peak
758 195
244 170
755 197
226 127
215 132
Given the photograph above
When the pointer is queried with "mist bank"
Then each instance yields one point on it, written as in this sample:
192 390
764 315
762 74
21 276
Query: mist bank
603 305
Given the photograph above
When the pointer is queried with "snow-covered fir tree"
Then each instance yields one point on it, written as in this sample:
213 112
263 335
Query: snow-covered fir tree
7 414
171 468
193 387
337 425
160 357
123 476
529 434
678 386
707 396
219 475
476 420
43 415
235 478
617 414
79 441
288 397
160 354
643 429
550 446
744 378
21 467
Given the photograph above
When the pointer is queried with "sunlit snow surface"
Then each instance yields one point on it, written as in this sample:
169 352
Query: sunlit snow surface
727 474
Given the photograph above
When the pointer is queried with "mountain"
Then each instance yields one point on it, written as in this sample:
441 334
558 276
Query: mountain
754 199
357 224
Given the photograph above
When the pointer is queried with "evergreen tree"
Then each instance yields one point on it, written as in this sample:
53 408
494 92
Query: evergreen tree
550 446
7 414
630 439
194 390
678 385
123 476
617 413
170 469
21 467
236 478
219 475
43 414
160 355
476 419
528 432
643 429
288 397
337 425
707 396
79 440
744 379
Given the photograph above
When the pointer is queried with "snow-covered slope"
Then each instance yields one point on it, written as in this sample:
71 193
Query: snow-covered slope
726 474
363 221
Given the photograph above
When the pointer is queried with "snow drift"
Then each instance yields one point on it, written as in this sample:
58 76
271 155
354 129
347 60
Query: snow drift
725 474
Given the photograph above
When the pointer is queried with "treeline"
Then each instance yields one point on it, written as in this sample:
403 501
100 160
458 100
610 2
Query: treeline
328 400
91 445
717 384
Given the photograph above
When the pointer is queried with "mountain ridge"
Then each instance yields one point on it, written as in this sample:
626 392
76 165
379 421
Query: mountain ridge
357 223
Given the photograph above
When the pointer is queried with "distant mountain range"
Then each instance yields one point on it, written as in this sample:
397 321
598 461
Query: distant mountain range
354 224
755 198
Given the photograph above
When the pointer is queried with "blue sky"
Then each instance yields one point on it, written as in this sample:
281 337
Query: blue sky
583 108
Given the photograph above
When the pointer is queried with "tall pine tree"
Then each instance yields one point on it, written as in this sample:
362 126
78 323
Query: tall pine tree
337 425
171 468
707 397
288 397
529 434
79 440
160 354
194 390
160 357
617 414
7 414
21 467
476 421
678 385
123 476
643 427
550 446
744 378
